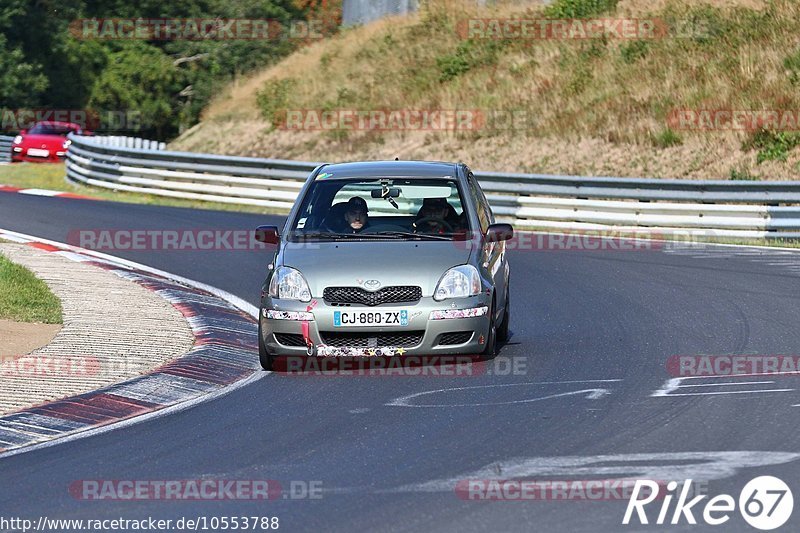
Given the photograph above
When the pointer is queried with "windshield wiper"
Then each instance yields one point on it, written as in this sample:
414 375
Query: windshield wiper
339 236
411 234
299 237
319 235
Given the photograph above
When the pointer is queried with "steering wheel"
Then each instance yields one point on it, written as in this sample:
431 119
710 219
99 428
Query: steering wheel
441 221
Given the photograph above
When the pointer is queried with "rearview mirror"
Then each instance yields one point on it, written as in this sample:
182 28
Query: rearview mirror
268 234
499 232
394 192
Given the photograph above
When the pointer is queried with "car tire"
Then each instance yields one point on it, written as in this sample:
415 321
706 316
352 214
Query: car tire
490 350
265 358
502 330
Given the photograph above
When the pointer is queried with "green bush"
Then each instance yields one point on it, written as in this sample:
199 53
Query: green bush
273 99
468 55
771 145
792 65
667 138
576 9
634 51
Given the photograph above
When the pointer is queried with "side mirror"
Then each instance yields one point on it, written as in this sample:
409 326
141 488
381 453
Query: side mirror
268 234
499 232
23 131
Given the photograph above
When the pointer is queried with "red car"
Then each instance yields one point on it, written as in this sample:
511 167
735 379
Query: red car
45 142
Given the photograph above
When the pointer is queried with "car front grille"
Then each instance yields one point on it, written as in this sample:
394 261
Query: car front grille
338 339
456 337
359 296
290 339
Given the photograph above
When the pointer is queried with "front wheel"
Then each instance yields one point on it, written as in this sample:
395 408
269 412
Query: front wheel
502 329
265 358
490 349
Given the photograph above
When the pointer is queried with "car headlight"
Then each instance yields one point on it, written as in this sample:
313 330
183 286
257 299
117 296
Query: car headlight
458 282
66 144
17 139
289 284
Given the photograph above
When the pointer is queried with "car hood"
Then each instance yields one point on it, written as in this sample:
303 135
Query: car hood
50 142
349 264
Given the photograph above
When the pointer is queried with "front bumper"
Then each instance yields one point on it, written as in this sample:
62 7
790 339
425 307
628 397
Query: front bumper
52 157
422 336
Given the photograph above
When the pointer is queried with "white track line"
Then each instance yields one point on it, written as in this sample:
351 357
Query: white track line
757 391
730 384
230 298
686 244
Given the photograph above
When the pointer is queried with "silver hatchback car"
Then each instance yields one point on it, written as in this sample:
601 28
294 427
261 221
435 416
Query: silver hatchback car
389 258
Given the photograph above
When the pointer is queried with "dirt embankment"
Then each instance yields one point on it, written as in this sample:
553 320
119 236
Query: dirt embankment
614 106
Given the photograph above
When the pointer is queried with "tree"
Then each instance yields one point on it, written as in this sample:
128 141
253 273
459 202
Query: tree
142 79
21 83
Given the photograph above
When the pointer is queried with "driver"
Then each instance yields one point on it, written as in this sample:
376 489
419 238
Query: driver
356 214
438 213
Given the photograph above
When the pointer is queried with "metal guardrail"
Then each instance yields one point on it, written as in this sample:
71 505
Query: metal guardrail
236 180
5 148
536 201
130 142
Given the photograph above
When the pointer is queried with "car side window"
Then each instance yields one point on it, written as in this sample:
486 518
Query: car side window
487 207
482 207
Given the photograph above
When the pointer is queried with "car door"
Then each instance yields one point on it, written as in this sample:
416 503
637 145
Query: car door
492 253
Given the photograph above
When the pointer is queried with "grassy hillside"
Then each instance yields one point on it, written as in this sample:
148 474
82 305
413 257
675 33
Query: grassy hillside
592 106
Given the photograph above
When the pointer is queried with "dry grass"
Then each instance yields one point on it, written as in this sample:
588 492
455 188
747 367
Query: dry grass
596 107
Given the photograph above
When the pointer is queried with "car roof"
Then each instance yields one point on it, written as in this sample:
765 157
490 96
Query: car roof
405 169
57 123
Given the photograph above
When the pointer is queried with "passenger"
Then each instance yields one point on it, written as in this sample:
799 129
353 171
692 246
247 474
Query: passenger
356 214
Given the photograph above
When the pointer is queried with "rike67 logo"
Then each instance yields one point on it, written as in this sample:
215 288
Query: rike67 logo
765 503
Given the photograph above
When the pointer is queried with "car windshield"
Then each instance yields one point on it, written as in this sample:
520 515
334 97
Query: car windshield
50 129
387 208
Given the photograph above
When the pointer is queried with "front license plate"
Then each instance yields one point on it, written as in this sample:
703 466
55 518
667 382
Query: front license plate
38 152
370 318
